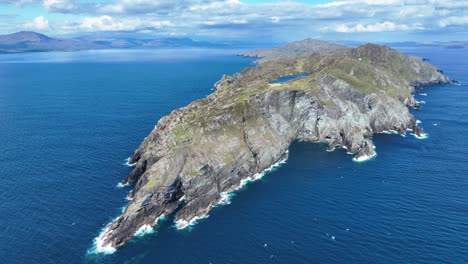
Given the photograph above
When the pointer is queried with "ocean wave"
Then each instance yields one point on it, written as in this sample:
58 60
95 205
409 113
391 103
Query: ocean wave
144 230
98 242
225 198
129 164
389 132
120 185
421 102
336 147
394 132
147 228
364 157
99 247
423 136
182 224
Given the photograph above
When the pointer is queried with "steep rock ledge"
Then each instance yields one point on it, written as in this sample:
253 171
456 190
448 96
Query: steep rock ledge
208 147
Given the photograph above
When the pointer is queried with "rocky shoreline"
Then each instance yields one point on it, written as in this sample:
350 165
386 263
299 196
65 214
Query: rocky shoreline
200 152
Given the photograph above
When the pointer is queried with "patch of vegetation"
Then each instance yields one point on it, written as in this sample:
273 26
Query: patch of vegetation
194 173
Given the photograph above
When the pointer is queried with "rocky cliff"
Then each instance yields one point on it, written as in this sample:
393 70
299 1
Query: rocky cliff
200 151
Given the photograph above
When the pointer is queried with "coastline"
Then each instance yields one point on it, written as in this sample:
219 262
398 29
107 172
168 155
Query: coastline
178 156
227 195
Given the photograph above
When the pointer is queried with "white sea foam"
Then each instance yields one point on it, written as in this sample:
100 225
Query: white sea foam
182 224
389 132
364 157
98 243
226 196
129 164
120 185
101 249
335 147
148 229
423 94
418 122
143 230
423 136
421 102
345 148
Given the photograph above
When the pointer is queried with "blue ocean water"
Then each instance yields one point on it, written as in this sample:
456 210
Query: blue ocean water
68 121
288 78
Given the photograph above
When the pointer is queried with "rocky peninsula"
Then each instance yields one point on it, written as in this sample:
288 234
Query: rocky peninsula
199 152
293 50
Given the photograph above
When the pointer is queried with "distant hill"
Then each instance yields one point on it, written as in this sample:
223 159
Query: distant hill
28 41
294 50
447 44
23 36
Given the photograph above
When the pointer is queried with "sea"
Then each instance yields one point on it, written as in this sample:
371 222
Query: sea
69 121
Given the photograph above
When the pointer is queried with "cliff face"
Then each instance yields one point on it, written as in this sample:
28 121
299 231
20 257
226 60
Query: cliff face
206 148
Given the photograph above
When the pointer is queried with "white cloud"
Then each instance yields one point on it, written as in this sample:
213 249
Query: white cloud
290 19
18 2
153 6
108 23
61 6
377 27
361 2
453 21
275 19
39 23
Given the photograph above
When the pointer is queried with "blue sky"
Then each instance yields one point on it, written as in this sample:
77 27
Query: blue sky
243 20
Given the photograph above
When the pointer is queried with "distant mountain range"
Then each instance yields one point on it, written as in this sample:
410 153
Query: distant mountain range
28 41
448 44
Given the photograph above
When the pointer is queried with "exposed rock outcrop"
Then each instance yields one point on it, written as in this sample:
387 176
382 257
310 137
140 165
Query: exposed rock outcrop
245 125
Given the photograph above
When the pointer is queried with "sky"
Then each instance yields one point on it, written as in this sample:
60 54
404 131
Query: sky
243 20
